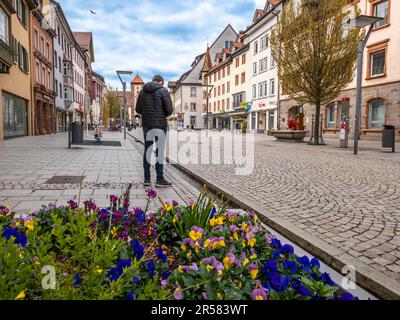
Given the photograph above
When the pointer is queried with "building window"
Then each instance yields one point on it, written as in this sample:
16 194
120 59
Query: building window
378 63
215 92
219 74
229 70
264 42
43 76
272 87
15 116
237 62
48 80
193 121
56 88
254 68
37 72
255 47
236 80
228 103
330 116
223 72
244 59
47 51
243 77
381 9
60 92
42 45
223 89
4 25
273 64
23 59
263 65
255 91
219 91
228 87
193 92
36 39
215 77
193 107
21 12
223 104
376 113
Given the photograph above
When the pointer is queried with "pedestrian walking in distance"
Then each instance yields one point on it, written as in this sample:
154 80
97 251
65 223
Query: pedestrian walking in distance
155 106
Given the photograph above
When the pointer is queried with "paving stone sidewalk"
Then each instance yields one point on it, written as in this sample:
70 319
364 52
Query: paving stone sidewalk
343 208
26 164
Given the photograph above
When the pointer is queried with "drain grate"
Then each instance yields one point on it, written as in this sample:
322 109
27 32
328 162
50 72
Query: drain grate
102 144
65 180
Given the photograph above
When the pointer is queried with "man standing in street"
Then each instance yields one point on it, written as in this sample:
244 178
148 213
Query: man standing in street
155 106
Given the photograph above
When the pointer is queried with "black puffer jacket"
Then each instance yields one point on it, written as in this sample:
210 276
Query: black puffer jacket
154 105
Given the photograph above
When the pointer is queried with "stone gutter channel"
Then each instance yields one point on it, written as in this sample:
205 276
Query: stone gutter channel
332 260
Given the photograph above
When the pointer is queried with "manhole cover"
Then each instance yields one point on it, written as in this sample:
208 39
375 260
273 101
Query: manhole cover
102 144
65 180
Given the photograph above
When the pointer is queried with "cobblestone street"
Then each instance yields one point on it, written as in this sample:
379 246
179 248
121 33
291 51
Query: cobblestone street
26 165
349 206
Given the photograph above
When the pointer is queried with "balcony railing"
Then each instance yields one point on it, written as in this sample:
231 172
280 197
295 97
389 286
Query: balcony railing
6 55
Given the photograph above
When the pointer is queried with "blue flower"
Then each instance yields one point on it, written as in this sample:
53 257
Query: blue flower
8 233
130 296
213 212
136 279
115 273
165 275
141 217
279 283
22 240
270 268
305 263
327 279
287 249
138 248
300 288
290 265
346 296
78 280
161 255
276 255
276 243
150 268
315 263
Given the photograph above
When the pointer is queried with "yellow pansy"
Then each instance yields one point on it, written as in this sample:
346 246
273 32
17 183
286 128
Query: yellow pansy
183 247
114 231
220 273
252 242
254 274
227 263
209 268
220 295
259 298
246 262
207 244
240 285
195 235
28 224
236 236
167 207
99 270
17 224
243 243
21 295
180 268
253 256
175 219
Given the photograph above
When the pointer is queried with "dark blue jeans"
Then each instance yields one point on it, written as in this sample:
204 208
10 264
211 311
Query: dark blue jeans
151 136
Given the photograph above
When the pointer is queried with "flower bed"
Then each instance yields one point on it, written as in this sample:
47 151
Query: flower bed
192 252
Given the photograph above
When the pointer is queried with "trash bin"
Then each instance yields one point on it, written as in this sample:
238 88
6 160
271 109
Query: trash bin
77 133
388 137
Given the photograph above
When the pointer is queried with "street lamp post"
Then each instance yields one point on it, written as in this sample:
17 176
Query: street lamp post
361 22
207 103
128 73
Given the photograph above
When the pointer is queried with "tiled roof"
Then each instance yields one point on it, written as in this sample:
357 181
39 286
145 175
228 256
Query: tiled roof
137 80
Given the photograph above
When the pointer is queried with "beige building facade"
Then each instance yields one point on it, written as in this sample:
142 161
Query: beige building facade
380 86
15 79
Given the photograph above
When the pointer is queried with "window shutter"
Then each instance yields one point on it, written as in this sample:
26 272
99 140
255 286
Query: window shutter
19 55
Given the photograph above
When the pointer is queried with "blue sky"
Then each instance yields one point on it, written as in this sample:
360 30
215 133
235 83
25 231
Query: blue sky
154 36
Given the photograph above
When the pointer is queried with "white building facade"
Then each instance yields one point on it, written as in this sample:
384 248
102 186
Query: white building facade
264 71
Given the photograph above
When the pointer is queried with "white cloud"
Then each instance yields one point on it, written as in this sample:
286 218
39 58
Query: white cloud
150 36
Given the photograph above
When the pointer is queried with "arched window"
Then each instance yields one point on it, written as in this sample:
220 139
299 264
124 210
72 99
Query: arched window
376 113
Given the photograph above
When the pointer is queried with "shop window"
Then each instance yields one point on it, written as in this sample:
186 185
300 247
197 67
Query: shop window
376 114
330 116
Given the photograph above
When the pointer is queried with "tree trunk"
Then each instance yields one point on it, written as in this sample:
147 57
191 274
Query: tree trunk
317 123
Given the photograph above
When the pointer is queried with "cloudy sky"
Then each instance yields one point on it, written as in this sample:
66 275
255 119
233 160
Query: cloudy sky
154 36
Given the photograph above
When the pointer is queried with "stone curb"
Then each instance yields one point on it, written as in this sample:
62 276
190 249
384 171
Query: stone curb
368 278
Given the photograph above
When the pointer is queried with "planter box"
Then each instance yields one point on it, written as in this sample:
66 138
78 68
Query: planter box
290 135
